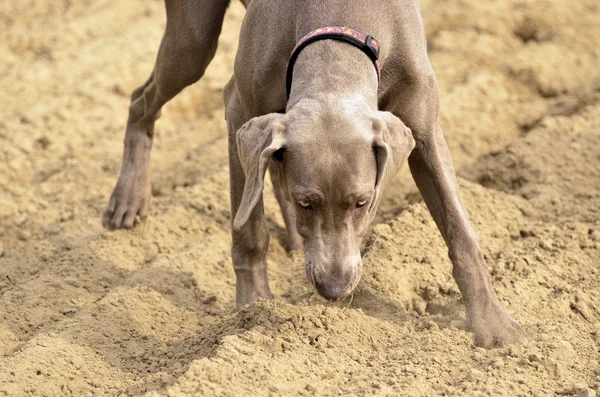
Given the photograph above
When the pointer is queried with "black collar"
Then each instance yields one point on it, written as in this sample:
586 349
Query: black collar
366 43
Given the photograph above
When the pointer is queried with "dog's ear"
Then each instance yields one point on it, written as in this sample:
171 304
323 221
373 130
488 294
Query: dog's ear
392 143
257 140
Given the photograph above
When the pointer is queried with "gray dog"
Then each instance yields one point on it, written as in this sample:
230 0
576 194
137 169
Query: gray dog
361 99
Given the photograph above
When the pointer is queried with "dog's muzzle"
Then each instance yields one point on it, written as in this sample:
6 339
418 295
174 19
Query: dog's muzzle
335 284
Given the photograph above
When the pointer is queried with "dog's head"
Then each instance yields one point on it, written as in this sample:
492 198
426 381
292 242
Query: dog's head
333 162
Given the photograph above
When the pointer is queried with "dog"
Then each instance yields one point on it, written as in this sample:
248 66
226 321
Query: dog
332 97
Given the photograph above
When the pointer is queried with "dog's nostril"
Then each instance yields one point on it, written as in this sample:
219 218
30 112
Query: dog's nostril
332 292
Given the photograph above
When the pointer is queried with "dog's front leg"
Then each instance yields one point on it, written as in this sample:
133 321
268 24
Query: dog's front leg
251 241
432 169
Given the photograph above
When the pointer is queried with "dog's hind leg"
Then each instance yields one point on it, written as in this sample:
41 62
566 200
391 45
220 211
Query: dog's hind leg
188 45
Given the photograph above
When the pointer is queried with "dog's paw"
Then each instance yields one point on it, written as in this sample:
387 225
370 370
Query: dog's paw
246 296
492 326
252 285
130 199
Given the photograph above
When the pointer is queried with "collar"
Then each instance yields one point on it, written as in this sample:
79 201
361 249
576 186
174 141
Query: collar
366 43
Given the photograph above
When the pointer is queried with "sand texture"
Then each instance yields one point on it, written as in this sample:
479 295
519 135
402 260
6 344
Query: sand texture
86 312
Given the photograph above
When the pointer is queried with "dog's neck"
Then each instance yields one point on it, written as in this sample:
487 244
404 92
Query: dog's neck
331 69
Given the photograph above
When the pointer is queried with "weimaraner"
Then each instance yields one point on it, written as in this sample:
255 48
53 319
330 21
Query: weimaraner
357 109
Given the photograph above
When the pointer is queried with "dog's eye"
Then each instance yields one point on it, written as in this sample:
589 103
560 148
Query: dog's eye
361 203
278 155
305 205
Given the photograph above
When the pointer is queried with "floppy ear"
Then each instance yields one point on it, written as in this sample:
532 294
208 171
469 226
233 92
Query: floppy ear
392 142
257 140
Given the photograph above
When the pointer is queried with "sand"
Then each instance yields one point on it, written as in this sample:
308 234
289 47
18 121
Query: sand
150 312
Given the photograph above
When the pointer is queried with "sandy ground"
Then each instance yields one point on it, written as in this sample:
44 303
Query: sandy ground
150 311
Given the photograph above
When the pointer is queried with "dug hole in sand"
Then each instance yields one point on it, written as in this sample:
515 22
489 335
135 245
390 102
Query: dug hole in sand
150 311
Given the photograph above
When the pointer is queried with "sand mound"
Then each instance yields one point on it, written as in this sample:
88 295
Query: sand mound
150 311
555 165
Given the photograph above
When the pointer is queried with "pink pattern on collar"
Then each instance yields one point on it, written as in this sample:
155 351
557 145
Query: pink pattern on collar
366 43
374 44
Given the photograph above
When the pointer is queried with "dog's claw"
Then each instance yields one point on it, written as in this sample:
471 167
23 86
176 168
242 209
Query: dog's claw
125 217
129 201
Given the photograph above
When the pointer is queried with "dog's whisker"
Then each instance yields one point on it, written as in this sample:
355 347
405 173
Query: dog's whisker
349 303
370 245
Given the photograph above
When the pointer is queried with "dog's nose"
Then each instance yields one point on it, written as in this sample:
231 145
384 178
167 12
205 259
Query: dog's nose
336 280
332 291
